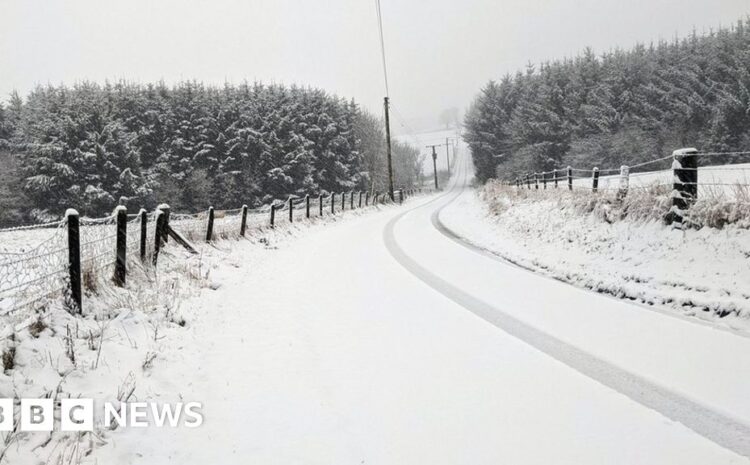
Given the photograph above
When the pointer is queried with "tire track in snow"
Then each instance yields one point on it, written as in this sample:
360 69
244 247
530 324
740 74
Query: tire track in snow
499 257
718 428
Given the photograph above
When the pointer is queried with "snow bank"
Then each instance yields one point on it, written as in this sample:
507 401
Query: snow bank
589 243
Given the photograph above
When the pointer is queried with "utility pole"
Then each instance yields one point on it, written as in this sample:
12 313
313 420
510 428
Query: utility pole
434 163
388 149
447 154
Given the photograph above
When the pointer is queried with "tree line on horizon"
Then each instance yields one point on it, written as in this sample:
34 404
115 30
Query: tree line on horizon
620 107
92 147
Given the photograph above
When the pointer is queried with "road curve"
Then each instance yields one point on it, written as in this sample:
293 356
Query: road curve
714 424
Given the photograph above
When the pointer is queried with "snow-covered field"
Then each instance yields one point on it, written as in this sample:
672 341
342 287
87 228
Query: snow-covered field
699 273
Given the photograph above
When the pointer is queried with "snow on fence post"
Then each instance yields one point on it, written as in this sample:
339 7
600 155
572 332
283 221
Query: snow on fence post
554 175
320 204
622 192
570 178
243 224
360 200
144 233
74 260
161 228
307 206
210 225
121 246
273 213
595 180
685 184
290 201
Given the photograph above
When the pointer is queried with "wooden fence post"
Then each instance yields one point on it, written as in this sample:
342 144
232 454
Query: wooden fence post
74 260
273 213
121 246
360 200
528 181
333 203
161 227
343 201
544 180
401 196
167 212
291 209
570 178
685 184
367 198
320 204
622 192
536 181
351 200
243 224
554 173
595 180
210 225
144 233
307 206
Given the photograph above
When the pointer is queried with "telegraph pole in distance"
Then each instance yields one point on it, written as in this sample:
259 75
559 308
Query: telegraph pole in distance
447 155
388 149
434 163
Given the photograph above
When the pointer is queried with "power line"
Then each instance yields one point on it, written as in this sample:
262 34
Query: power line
382 47
386 104
409 130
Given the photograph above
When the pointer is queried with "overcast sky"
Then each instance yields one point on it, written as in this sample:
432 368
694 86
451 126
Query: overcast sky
440 52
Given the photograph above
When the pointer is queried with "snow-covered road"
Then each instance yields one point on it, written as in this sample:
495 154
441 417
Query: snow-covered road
382 340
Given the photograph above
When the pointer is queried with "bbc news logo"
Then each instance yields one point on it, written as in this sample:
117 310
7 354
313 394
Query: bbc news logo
78 415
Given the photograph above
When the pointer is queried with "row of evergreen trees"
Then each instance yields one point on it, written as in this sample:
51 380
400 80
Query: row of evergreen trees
618 108
93 146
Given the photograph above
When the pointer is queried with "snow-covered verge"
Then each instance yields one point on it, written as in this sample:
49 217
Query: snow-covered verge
110 353
622 250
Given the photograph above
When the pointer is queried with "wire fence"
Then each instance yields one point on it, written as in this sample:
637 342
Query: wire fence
645 175
35 273
33 276
684 177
